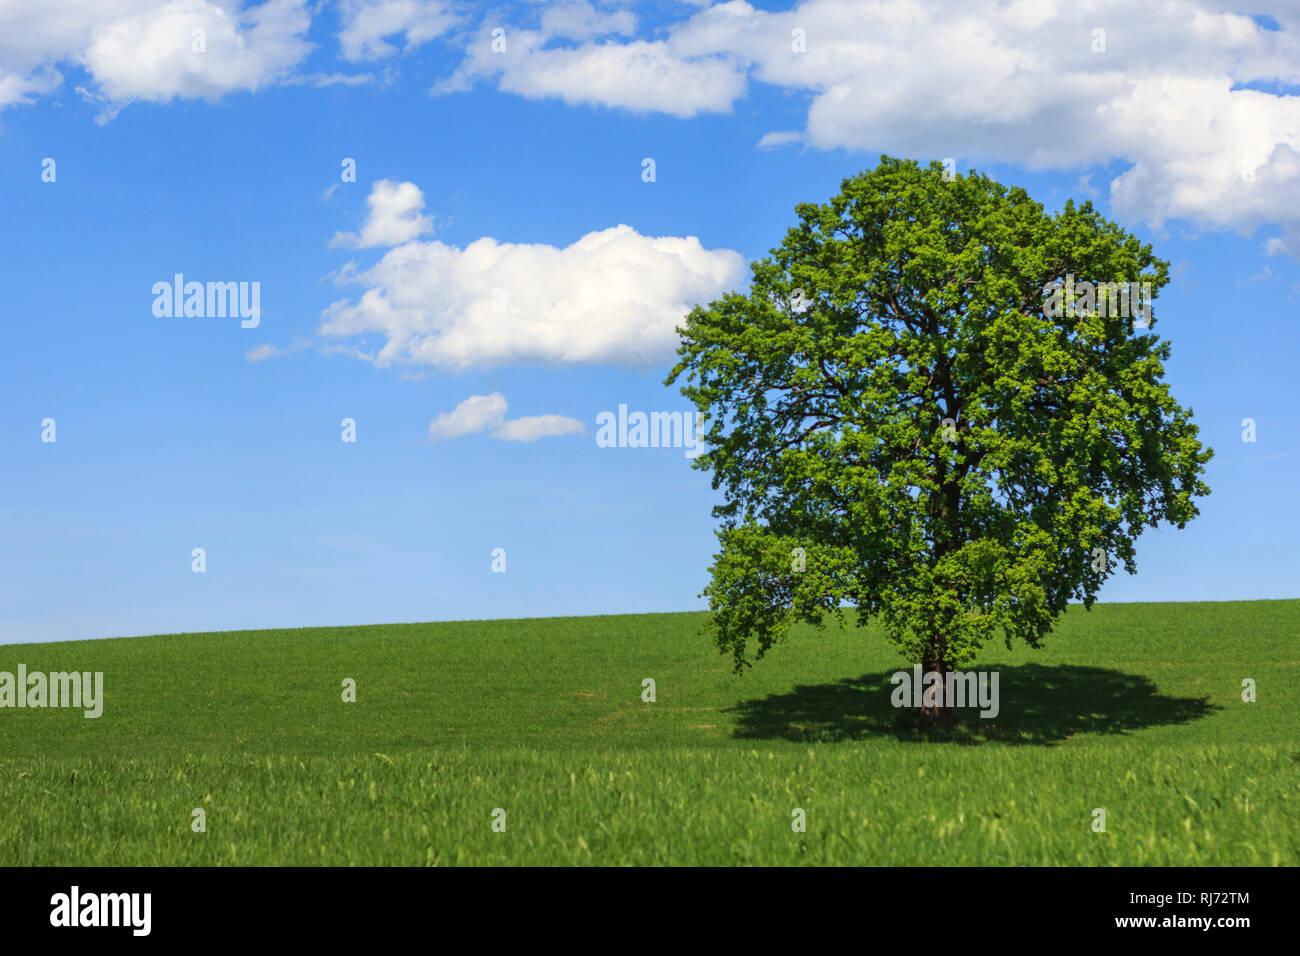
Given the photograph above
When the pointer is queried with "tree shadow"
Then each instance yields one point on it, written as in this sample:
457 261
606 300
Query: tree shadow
1038 705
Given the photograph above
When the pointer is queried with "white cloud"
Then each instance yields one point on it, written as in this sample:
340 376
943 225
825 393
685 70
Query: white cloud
612 297
16 88
481 413
394 217
476 414
320 80
36 34
151 55
579 20
638 75
1190 110
366 24
533 427
261 353
146 49
985 80
779 138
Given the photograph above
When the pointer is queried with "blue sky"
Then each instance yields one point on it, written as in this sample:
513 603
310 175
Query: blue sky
182 433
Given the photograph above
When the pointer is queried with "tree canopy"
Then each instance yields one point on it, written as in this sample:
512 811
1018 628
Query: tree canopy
932 405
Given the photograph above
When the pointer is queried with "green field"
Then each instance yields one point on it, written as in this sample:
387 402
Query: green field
1133 708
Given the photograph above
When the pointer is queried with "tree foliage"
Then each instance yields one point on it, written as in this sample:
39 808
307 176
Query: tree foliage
893 396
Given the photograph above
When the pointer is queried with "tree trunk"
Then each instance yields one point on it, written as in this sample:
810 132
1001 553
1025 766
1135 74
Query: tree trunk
941 715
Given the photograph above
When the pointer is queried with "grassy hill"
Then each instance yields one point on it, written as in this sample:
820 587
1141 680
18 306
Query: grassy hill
1135 709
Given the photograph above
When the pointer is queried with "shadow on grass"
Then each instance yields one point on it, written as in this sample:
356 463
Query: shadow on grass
1039 705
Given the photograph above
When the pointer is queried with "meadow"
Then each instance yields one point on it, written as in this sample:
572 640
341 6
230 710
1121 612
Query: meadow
1134 709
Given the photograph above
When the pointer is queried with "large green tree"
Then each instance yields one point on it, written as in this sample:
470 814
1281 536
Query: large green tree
918 410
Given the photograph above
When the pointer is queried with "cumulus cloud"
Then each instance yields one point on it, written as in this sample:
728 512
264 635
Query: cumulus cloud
533 427
1190 98
260 353
1189 107
638 75
487 413
394 217
579 20
367 23
476 414
16 88
779 138
156 55
612 297
152 50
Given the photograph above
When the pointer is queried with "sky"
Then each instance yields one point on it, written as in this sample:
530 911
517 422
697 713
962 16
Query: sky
473 229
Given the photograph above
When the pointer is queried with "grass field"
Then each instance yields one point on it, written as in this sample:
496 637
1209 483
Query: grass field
1134 708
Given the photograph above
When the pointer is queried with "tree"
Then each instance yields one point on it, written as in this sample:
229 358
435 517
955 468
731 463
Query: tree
923 409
